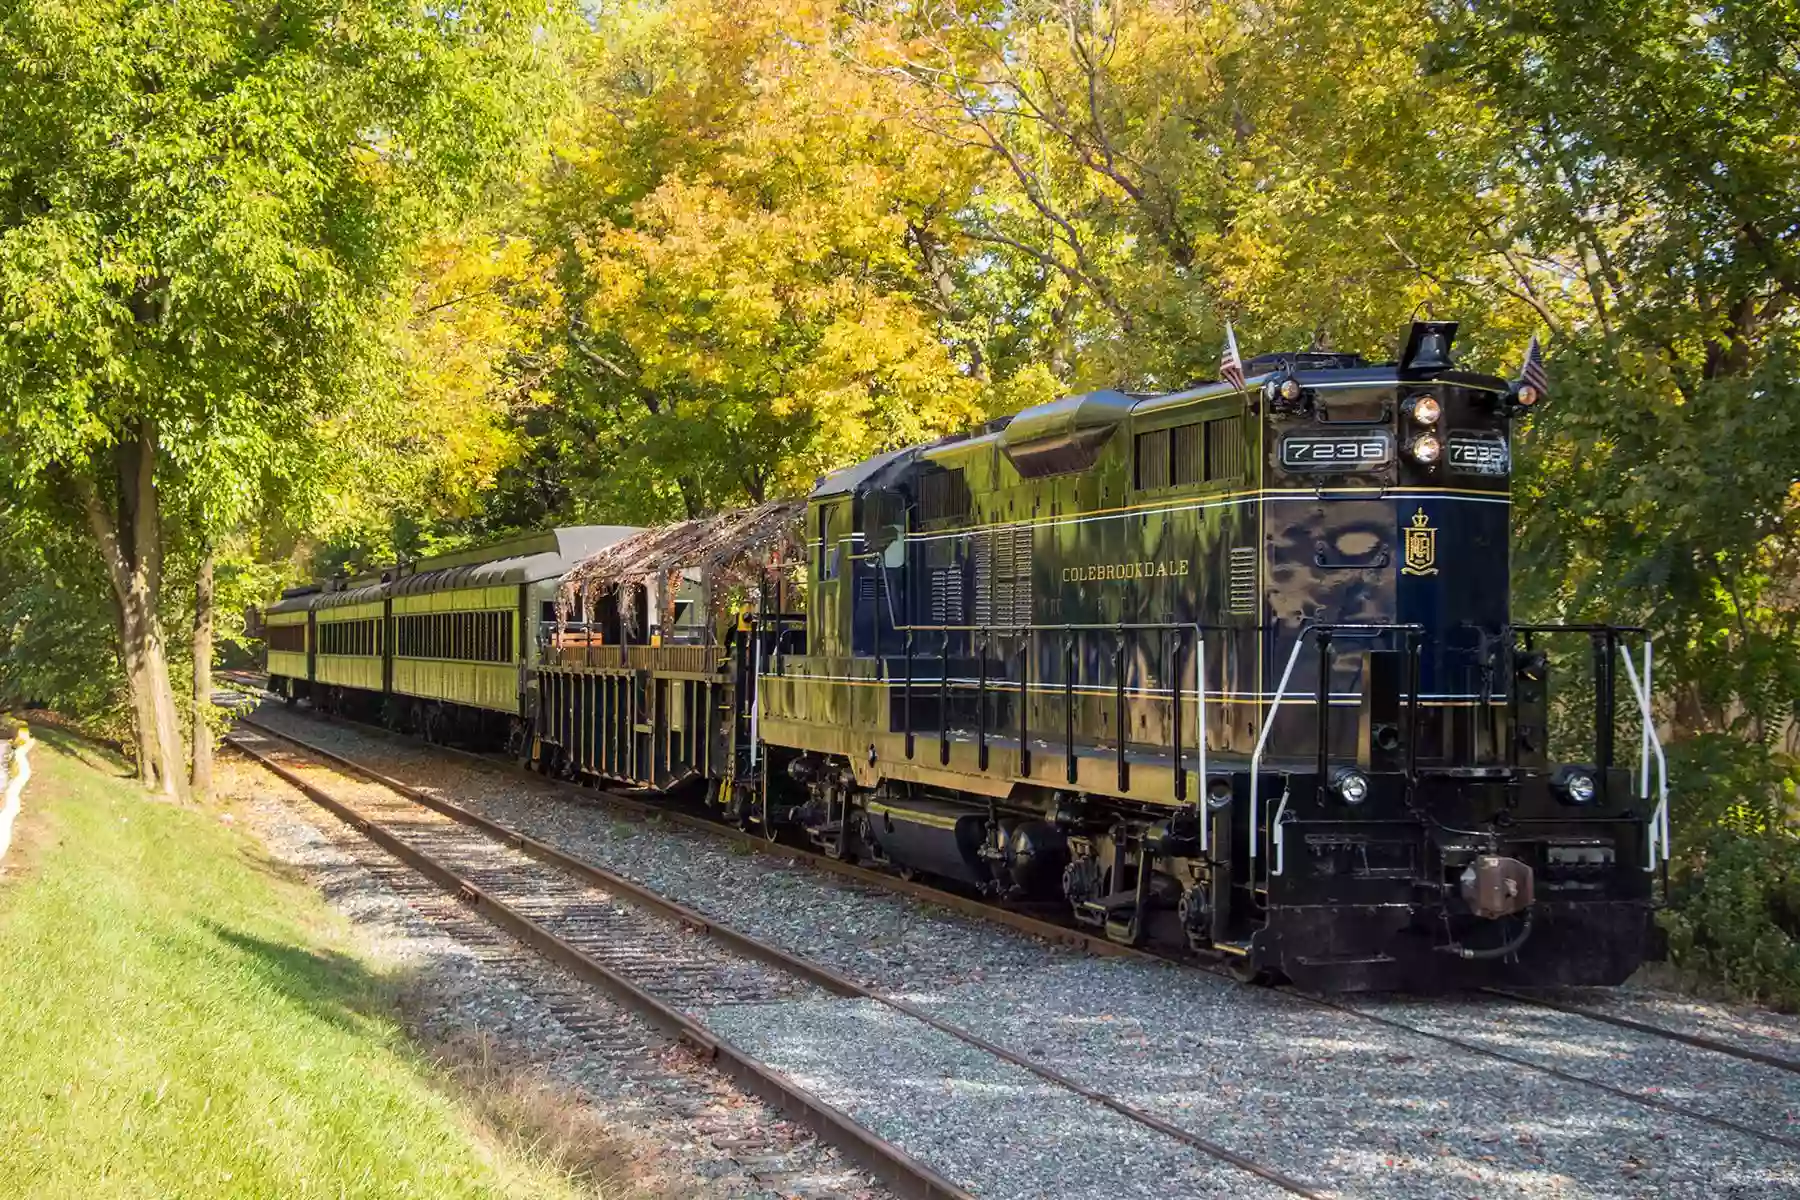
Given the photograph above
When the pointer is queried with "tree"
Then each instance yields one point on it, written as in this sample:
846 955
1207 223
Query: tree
201 209
740 233
1653 182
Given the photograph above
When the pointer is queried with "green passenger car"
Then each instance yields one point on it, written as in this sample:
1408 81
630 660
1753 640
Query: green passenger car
443 646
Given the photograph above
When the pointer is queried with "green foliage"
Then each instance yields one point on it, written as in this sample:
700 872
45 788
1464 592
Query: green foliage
57 640
201 207
204 211
1736 915
732 219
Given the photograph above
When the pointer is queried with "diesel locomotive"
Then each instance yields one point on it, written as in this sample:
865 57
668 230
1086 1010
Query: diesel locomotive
1231 670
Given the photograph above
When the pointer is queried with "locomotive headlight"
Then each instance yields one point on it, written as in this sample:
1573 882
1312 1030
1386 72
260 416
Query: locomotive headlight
1576 785
1424 410
1351 785
1218 794
1525 395
1290 389
1425 448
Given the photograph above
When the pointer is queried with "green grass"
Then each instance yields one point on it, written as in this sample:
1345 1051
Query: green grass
178 1019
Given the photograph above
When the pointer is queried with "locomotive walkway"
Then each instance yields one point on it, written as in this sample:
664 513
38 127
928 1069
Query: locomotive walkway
1467 1096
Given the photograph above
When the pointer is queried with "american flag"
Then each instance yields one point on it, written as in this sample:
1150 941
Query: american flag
1231 367
1532 373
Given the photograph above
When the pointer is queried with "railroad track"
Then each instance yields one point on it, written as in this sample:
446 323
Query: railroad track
1352 1008
675 966
1055 932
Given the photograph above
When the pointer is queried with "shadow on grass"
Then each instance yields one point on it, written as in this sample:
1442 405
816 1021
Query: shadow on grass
94 752
495 1077
336 987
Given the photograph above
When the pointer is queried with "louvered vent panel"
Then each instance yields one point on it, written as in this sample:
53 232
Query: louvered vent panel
1021 576
1225 448
1189 460
986 581
947 595
1153 459
943 494
1243 579
1003 593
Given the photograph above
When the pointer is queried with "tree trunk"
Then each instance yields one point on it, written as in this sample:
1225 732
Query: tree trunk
201 781
143 710
128 527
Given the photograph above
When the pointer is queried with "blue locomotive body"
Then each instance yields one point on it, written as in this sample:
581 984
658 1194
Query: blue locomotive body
1230 668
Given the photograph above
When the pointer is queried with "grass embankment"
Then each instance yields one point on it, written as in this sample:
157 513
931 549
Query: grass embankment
177 1019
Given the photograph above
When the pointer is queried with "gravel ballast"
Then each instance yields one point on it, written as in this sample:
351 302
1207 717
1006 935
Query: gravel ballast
682 1129
1360 1108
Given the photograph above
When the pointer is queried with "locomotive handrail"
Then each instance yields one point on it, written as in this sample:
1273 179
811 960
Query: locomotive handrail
987 631
1321 630
1199 630
1650 741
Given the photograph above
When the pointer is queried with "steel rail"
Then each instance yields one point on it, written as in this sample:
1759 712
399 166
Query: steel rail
763 951
1096 943
1698 1040
906 1175
986 910
1655 1102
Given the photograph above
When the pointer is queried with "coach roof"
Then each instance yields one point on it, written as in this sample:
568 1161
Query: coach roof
526 559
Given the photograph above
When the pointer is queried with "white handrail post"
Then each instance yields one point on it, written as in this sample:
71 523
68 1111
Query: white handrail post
1275 836
1200 718
1662 770
1262 738
755 696
1659 820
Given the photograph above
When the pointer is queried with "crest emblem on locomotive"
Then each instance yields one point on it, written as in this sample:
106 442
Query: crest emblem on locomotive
1421 547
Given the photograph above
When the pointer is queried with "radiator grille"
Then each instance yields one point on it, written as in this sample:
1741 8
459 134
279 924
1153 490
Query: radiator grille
1243 579
1003 593
1225 448
947 595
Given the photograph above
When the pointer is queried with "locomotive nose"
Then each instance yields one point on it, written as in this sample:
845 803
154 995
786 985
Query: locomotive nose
1495 887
